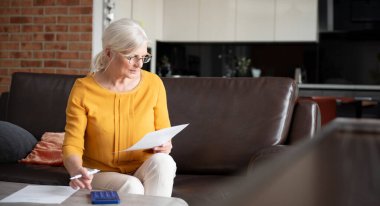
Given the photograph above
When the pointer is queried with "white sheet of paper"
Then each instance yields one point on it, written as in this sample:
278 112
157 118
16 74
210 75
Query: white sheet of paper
41 194
156 138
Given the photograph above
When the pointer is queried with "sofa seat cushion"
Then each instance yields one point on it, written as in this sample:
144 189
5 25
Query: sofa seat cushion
205 189
15 142
34 174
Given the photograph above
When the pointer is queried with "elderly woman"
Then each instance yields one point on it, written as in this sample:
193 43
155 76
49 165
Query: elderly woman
113 108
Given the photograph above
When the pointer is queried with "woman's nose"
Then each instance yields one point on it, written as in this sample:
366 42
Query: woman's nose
139 63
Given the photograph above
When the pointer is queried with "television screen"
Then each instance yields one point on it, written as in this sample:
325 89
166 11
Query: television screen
365 10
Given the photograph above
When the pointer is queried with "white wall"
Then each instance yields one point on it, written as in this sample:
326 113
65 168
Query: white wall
97 27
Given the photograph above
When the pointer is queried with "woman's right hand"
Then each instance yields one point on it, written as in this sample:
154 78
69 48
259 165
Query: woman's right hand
83 182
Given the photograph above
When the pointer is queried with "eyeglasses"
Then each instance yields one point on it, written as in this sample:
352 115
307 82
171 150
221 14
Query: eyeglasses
135 59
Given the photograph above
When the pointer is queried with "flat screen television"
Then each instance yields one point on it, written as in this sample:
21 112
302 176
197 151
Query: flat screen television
349 58
365 10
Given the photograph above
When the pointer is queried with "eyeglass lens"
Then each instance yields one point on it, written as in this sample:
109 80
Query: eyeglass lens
135 59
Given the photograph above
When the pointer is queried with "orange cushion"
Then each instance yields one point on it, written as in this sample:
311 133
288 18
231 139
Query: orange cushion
48 151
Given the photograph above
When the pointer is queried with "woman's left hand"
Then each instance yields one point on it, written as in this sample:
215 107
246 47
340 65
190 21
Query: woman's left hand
165 148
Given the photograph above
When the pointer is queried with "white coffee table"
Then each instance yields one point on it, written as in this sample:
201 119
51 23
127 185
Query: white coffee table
82 197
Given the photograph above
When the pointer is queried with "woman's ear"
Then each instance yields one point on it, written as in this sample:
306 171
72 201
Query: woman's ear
108 53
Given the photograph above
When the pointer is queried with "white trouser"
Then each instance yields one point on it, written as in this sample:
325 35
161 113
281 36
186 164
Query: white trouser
154 177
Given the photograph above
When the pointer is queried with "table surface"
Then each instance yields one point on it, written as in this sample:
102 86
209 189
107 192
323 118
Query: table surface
82 197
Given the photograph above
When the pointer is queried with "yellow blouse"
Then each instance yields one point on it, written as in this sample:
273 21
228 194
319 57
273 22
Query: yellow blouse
100 122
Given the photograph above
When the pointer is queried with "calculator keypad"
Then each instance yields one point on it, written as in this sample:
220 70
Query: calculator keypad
104 197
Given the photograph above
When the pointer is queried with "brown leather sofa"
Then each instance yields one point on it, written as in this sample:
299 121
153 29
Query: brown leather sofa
235 123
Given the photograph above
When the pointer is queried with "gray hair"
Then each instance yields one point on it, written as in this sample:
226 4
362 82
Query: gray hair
121 35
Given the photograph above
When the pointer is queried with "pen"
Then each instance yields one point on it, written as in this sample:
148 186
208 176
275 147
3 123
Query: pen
90 172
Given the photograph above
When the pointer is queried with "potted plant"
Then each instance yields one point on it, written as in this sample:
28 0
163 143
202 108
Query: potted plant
242 67
164 68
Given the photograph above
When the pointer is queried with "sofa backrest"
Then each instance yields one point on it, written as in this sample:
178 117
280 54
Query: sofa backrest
230 118
37 102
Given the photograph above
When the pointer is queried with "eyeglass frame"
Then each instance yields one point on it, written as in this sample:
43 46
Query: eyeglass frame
129 58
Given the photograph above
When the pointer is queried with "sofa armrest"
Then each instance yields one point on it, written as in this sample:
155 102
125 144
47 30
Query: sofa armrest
306 121
4 105
265 154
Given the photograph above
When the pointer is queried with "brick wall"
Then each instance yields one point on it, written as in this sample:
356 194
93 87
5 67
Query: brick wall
47 36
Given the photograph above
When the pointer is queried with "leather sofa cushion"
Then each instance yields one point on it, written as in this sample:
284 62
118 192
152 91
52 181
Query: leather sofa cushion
37 102
205 189
34 174
230 118
306 121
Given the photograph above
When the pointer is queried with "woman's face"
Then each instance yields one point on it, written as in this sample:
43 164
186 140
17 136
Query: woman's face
130 64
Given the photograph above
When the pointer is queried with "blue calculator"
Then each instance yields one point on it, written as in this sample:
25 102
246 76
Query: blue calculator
104 197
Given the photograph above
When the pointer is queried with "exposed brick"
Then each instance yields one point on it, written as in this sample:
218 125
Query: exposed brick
86 37
67 55
44 37
4 55
21 55
56 28
31 46
4 88
44 55
86 2
55 63
43 2
68 37
55 46
10 11
4 37
31 63
4 19
80 46
56 10
86 55
5 3
86 19
22 3
13 70
68 19
44 70
21 20
3 71
21 37
44 20
67 71
9 46
32 11
9 63
10 28
5 80
80 10
80 28
79 64
84 71
68 2
34 28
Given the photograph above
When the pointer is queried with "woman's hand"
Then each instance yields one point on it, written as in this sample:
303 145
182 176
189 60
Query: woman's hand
83 182
73 165
165 148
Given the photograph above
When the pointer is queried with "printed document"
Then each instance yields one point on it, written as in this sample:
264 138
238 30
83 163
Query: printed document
157 138
44 194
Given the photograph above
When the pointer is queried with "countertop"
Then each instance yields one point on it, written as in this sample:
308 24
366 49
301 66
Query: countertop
339 87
